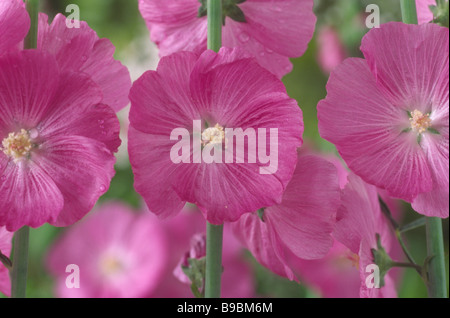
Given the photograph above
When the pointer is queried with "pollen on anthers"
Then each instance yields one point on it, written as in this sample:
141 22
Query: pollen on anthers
17 145
420 122
213 135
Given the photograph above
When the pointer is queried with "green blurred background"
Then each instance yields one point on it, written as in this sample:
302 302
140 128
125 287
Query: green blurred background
120 21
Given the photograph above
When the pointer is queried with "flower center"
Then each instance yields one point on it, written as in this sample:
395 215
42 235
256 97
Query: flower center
213 135
17 145
420 122
110 266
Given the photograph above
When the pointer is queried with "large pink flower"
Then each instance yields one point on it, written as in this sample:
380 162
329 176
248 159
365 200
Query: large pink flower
119 253
81 50
388 114
56 155
14 24
302 224
219 91
5 249
271 32
359 220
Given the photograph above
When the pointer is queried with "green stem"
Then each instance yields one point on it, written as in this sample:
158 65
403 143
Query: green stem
20 263
214 236
437 283
214 25
33 11
413 225
409 11
214 233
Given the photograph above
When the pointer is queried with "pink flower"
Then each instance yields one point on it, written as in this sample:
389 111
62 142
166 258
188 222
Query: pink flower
331 50
221 90
302 224
81 50
237 281
14 24
119 253
424 14
388 114
270 32
359 221
5 249
57 144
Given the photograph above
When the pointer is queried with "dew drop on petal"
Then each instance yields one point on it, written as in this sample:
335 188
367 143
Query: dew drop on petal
102 188
34 133
243 37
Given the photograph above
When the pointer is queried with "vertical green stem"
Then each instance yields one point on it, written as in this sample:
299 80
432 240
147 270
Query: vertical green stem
20 263
437 283
33 11
214 25
409 11
19 271
214 233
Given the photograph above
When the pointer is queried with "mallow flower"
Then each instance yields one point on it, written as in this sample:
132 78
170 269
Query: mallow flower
5 249
271 31
388 114
301 224
118 253
216 130
57 142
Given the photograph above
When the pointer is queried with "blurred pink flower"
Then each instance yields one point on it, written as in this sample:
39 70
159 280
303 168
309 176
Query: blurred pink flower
119 252
424 13
57 147
331 51
272 32
14 24
5 249
221 90
302 224
359 220
388 114
237 279
81 50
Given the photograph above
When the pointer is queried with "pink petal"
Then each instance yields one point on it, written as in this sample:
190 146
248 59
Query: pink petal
305 219
82 168
80 49
407 60
14 24
5 249
367 130
424 13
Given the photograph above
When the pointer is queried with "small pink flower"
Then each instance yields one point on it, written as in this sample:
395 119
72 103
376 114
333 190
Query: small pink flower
424 14
219 90
119 253
14 24
81 50
271 32
302 224
331 50
359 220
5 249
57 142
388 114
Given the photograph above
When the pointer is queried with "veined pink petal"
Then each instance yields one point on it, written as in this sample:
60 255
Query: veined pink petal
80 49
367 130
407 71
14 24
5 249
305 219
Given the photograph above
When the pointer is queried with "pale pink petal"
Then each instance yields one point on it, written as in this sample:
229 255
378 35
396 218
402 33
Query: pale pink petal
5 249
367 131
305 219
424 13
406 71
14 24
